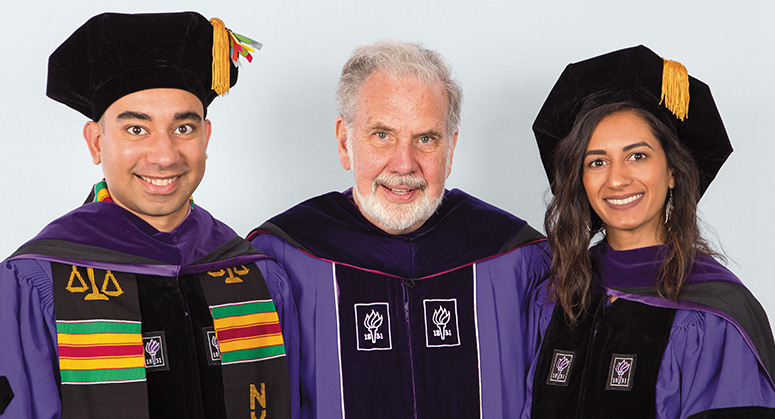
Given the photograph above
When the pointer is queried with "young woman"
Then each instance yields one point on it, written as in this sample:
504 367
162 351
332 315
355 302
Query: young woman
647 323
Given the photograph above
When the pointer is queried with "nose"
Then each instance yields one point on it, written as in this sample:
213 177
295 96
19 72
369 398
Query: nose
403 160
163 151
619 176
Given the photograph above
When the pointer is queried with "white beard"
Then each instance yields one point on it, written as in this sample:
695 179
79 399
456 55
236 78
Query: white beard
397 217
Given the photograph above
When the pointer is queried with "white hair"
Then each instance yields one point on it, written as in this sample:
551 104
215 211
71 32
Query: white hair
398 60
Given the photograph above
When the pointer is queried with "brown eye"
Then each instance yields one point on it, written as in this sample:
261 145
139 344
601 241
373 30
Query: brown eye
136 130
184 129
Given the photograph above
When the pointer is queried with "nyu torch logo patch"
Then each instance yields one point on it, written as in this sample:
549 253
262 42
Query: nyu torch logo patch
372 326
441 327
211 342
155 349
562 362
621 372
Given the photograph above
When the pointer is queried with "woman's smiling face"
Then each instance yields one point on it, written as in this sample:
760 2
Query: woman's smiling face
626 178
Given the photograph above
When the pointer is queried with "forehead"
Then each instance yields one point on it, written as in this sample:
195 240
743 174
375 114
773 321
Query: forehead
402 99
621 129
158 103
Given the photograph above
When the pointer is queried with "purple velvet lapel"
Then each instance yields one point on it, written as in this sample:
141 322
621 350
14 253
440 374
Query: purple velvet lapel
711 288
462 231
640 267
108 227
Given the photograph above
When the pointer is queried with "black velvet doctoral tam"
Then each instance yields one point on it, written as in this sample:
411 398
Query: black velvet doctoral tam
631 75
113 55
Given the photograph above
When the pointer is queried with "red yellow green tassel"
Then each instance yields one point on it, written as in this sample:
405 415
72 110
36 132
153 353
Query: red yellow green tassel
228 45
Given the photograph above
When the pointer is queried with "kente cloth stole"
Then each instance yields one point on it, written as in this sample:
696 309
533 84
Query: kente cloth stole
104 359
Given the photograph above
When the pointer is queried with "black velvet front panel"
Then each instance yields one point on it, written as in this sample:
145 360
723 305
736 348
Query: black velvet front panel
180 390
626 337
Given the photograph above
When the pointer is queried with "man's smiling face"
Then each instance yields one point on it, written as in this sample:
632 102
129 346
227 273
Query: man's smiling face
152 146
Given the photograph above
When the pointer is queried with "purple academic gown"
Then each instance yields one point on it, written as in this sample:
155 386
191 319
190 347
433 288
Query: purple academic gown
434 323
709 354
103 235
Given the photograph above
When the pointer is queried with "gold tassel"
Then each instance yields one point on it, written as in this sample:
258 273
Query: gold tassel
221 60
675 88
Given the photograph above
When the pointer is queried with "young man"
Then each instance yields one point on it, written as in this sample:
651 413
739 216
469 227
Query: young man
414 301
140 303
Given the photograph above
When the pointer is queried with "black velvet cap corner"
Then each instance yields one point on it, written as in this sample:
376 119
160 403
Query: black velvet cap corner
113 55
6 394
631 75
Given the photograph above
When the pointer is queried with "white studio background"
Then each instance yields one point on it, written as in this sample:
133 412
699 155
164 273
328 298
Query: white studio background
273 136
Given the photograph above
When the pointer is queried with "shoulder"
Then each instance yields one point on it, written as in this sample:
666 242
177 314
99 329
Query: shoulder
456 200
477 220
331 206
705 344
28 270
709 365
28 277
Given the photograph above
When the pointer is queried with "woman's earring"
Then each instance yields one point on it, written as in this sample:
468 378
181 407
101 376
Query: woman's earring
669 205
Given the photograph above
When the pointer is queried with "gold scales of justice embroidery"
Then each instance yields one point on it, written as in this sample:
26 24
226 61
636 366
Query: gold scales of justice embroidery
116 291
232 278
95 292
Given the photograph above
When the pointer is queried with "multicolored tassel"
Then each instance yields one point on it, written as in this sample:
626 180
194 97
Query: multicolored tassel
228 45
242 45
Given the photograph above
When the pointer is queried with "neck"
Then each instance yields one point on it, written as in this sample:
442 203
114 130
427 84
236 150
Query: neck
628 240
168 223
163 223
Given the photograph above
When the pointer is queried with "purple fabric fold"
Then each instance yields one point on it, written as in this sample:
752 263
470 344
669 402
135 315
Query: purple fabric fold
331 227
640 267
711 288
108 226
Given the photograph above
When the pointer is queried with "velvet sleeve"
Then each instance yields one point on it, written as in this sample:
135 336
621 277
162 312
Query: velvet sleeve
708 365
280 289
542 308
28 334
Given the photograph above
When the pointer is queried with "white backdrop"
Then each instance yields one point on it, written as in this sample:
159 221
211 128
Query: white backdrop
273 139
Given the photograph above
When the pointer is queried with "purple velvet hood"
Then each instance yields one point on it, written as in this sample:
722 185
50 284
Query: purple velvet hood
711 288
106 236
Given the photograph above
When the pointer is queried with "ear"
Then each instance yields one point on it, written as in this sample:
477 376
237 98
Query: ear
208 130
341 142
451 153
92 133
671 182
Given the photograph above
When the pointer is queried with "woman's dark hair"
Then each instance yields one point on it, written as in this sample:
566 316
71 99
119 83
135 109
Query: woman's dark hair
571 222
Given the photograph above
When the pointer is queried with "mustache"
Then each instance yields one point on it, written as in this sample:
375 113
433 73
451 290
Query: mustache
394 180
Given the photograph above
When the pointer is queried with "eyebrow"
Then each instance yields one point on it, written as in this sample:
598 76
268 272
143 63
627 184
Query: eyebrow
430 133
625 148
180 116
133 115
190 115
378 126
640 144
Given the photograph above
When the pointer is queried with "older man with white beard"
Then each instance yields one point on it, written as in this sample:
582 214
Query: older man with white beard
413 301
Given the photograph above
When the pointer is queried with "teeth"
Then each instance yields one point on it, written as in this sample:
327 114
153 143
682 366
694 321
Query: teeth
159 182
624 201
401 191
